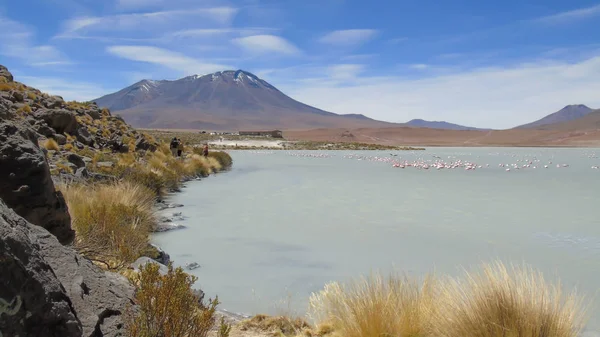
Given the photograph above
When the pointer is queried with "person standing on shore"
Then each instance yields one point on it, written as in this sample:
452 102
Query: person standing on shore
179 147
205 150
173 146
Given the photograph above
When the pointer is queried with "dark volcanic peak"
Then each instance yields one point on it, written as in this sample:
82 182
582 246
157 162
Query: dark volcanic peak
568 113
229 99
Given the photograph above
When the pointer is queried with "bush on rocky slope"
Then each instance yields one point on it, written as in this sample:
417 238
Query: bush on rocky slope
112 222
168 306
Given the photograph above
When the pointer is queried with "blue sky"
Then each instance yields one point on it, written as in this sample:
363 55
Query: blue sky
480 63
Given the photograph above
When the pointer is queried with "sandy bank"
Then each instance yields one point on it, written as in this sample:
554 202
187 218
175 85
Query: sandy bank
249 143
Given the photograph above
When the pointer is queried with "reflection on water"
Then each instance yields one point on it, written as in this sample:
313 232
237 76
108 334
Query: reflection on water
281 224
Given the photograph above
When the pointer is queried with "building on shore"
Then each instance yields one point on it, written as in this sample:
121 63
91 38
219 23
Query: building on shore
273 133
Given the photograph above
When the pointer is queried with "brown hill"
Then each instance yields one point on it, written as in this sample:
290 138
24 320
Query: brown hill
227 100
568 113
406 136
590 121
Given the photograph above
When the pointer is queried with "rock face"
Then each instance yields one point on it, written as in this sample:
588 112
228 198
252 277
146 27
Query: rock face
32 300
62 121
26 185
5 73
47 289
99 298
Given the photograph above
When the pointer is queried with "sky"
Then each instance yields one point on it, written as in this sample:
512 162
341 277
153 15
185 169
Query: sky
493 64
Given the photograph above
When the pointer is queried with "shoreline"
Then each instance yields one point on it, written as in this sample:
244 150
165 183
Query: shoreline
164 206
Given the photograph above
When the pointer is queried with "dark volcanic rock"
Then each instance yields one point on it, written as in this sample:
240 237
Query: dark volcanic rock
84 136
60 139
17 96
44 129
99 298
6 74
142 144
51 290
33 302
76 160
53 102
60 120
26 184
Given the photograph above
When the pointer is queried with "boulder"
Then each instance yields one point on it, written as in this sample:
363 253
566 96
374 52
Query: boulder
94 112
17 96
6 74
84 136
48 289
82 172
76 160
53 102
44 130
60 139
59 119
26 185
33 301
98 298
142 144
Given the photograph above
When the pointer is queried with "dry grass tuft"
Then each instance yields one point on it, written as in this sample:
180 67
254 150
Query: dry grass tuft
374 306
276 325
112 221
50 144
507 302
168 306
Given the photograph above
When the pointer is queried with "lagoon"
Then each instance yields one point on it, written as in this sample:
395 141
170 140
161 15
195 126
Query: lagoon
281 224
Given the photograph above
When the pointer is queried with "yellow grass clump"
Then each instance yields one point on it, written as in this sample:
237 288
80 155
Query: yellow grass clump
497 302
168 305
50 144
276 325
507 302
112 221
376 306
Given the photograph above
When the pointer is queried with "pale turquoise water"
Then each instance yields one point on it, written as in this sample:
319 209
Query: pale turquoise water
279 226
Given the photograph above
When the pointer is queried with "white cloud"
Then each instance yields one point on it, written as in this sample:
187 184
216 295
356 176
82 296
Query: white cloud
344 71
211 32
349 37
17 41
170 59
484 97
570 16
419 66
67 89
357 57
146 21
262 44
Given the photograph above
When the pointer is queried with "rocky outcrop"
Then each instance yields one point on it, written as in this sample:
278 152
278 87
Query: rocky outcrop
98 298
6 74
61 120
48 289
26 185
33 301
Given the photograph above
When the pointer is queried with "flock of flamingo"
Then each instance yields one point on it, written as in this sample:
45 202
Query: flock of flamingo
437 163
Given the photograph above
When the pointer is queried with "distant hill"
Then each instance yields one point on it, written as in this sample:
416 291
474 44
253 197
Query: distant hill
591 121
568 113
420 123
225 100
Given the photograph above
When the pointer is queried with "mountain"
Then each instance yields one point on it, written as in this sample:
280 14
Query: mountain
420 123
591 121
568 113
225 100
